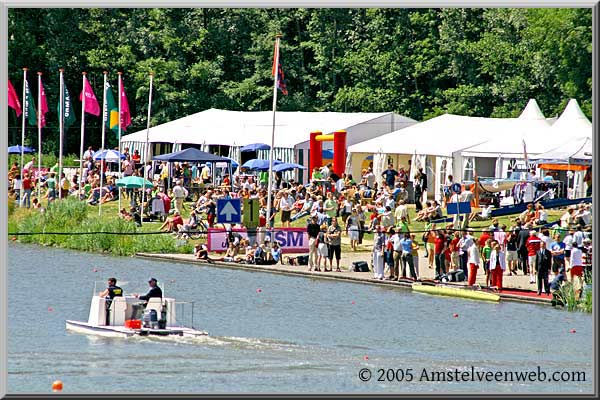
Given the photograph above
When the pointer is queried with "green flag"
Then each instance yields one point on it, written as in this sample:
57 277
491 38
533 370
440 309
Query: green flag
68 112
111 112
30 114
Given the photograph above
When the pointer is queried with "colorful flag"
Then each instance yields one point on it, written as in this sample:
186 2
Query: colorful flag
91 104
125 115
13 99
68 112
111 112
43 105
30 113
280 77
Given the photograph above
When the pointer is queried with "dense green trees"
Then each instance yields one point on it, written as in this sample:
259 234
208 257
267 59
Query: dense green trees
417 62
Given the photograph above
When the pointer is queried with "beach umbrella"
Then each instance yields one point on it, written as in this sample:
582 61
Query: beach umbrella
287 167
17 149
255 147
258 164
108 155
234 164
133 182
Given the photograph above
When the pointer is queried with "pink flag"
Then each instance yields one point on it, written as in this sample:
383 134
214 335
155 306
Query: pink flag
13 99
91 104
125 115
43 105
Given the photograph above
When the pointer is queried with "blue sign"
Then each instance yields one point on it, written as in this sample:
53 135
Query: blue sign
458 208
456 188
229 211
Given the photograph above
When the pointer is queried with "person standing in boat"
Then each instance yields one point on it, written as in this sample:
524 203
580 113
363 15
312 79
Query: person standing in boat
109 294
154 291
112 290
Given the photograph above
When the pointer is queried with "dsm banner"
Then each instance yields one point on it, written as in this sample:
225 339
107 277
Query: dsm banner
291 240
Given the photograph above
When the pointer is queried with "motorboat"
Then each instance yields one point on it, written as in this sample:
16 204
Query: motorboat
126 316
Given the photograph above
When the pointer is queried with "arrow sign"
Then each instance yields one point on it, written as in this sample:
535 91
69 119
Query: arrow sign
228 211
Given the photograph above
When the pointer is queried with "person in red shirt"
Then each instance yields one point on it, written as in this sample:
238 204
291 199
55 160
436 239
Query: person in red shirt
533 245
483 239
439 251
26 185
454 250
172 224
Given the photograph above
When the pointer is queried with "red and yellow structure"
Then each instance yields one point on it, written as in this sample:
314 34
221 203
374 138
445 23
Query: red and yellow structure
339 150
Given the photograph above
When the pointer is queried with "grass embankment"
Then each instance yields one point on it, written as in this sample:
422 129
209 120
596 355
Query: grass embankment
78 220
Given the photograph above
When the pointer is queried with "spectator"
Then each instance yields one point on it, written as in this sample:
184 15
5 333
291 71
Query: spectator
543 262
334 242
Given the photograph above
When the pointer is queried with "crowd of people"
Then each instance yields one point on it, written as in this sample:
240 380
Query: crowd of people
334 206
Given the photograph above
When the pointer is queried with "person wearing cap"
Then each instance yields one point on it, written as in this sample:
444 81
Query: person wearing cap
154 291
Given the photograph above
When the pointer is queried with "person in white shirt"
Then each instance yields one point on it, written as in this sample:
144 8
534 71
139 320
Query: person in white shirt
463 245
576 269
568 241
88 153
339 186
401 211
397 254
578 237
179 193
285 206
370 177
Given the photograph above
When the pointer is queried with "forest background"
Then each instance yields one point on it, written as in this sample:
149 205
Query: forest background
417 62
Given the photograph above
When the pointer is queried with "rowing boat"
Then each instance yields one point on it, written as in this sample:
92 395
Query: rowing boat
443 290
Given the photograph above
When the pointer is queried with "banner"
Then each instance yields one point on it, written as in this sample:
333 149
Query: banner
291 240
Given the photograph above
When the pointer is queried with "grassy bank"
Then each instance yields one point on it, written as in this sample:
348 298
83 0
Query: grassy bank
72 216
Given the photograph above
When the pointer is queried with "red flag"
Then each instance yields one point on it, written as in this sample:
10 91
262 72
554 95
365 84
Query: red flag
91 104
125 115
280 77
13 99
43 105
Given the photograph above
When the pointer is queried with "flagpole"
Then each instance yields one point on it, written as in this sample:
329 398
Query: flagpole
105 118
146 151
61 127
25 110
270 186
39 135
82 133
120 121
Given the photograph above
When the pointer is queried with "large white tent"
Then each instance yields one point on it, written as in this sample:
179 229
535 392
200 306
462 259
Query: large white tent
238 128
465 146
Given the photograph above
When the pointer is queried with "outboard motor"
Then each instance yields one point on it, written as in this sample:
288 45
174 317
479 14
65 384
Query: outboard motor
150 319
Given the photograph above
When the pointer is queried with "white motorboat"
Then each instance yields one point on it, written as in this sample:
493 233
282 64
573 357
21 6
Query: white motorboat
129 316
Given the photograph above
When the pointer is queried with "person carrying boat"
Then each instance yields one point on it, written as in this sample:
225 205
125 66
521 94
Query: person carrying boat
109 294
154 291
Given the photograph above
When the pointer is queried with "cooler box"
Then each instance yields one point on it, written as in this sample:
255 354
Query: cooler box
133 323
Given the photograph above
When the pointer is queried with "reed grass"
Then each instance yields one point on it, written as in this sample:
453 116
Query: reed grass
73 216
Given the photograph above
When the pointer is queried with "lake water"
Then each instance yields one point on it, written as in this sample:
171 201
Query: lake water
297 335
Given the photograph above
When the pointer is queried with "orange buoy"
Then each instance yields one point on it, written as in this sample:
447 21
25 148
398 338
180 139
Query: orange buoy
353 302
455 315
50 309
258 290
573 330
57 386
366 358
14 238
95 270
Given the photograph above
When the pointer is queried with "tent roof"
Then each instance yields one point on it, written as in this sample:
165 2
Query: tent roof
440 136
574 151
573 121
532 111
240 128
191 154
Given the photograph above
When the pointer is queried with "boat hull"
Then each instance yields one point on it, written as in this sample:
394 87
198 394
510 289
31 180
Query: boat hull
455 292
122 332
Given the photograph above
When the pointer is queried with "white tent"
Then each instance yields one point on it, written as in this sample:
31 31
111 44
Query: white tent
576 151
573 122
238 128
